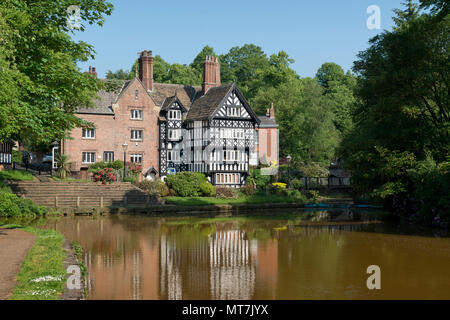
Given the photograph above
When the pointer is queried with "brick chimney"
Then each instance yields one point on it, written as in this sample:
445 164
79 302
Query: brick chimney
272 111
91 71
211 73
146 69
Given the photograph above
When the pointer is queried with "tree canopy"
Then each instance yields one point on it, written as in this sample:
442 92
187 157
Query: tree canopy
40 83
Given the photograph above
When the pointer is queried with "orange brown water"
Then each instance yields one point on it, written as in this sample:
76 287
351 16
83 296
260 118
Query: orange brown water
138 257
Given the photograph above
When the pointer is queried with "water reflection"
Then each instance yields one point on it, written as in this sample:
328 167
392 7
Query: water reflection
309 255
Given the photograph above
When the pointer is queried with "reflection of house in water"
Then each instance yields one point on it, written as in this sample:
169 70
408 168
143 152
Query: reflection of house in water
222 266
232 261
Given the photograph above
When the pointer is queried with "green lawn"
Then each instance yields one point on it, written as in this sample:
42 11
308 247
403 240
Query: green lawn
42 275
254 199
16 175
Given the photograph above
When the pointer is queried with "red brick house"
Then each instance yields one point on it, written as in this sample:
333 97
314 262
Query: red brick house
174 127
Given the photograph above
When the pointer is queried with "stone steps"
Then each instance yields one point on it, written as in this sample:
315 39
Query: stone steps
75 195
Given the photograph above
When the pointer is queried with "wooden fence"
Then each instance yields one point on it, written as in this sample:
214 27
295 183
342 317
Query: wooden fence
325 182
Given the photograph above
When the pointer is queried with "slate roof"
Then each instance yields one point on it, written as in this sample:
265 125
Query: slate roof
205 106
266 122
103 104
186 94
169 101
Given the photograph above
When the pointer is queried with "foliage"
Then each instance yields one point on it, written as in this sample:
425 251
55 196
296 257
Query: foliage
313 169
313 196
207 189
105 176
296 184
338 88
62 161
17 156
15 175
116 165
248 189
279 185
260 181
14 206
226 193
154 188
402 129
186 184
40 83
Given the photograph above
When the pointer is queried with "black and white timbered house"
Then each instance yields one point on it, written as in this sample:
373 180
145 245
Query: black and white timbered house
217 136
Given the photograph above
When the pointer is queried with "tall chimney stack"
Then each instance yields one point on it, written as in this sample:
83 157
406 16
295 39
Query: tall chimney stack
272 111
146 69
91 71
211 73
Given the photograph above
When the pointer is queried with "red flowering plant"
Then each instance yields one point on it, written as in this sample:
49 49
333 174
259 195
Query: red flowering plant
105 175
135 168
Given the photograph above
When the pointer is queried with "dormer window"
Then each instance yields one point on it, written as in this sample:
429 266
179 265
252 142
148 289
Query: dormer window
174 115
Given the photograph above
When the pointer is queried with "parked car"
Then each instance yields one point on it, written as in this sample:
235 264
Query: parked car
48 158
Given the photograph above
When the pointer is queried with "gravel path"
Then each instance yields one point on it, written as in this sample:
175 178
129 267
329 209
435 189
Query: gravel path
14 245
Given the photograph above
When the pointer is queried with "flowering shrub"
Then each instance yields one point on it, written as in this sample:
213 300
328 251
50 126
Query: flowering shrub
279 185
105 176
135 168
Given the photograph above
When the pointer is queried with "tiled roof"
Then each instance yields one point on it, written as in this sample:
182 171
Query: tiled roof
266 122
205 106
186 94
103 104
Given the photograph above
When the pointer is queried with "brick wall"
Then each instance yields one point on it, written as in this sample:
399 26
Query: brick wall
113 130
268 144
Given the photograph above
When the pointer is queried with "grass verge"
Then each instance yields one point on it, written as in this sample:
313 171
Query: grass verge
42 275
253 199
15 175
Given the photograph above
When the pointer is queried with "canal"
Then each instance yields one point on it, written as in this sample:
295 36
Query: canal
298 255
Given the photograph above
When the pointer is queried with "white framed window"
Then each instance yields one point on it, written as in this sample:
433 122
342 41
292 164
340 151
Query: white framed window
108 156
136 114
136 158
136 135
231 155
174 134
88 133
88 157
173 156
174 115
234 111
227 133
228 178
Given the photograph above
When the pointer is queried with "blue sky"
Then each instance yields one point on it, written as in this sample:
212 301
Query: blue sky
310 31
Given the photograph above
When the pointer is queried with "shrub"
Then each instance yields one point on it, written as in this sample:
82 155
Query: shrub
226 193
296 195
313 196
261 181
13 206
248 190
279 185
105 176
207 189
9 206
296 184
154 188
186 184
116 165
162 189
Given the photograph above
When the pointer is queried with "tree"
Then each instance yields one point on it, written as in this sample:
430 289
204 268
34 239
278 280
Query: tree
118 75
338 88
41 82
402 115
305 120
411 12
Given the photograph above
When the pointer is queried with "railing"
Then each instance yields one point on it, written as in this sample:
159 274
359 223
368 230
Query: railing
325 182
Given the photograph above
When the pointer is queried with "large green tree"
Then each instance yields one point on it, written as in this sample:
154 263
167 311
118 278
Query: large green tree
40 82
402 118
